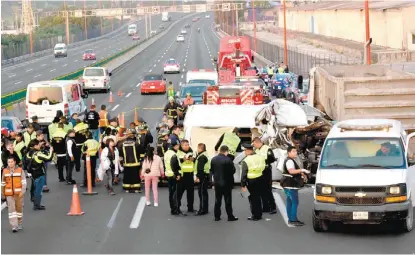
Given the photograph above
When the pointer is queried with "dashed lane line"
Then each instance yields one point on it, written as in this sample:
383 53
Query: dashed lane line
75 60
3 205
37 75
28 70
154 65
150 70
129 94
182 76
64 65
114 214
135 222
43 64
138 85
115 107
17 82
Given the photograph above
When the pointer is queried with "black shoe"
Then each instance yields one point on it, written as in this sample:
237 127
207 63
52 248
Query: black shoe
14 230
46 189
273 211
254 218
233 218
36 208
181 214
217 219
296 223
174 213
199 213
191 211
78 170
62 180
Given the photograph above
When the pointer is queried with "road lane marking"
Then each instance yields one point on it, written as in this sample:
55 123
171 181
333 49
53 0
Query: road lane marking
180 84
183 70
150 70
64 65
185 64
37 75
135 222
114 214
17 82
154 65
28 70
129 94
182 76
53 70
282 208
12 75
138 85
43 64
3 205
75 60
115 107
158 60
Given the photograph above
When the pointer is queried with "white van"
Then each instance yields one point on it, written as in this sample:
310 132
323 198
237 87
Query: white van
209 76
96 78
45 98
60 50
365 175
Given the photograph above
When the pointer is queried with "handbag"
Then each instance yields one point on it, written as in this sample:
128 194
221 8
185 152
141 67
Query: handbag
148 170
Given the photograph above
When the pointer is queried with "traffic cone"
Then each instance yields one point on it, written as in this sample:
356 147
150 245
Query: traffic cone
76 204
111 100
119 93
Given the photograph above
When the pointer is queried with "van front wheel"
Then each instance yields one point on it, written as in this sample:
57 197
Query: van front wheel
319 225
407 224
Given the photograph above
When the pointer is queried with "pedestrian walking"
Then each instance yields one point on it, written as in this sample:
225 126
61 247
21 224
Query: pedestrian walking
152 171
223 169
202 169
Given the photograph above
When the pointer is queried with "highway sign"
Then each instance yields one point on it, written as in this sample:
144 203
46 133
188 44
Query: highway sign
156 10
226 7
108 12
201 8
78 14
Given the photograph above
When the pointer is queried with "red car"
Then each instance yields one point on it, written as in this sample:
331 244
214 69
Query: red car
153 83
89 55
194 19
136 37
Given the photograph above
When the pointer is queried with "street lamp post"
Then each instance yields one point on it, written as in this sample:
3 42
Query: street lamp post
285 34
368 40
86 25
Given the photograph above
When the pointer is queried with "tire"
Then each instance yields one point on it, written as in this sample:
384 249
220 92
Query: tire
407 225
319 225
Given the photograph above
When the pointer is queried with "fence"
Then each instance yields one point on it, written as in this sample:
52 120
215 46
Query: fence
16 50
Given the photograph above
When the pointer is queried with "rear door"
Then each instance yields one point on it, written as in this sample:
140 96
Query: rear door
74 99
94 77
44 101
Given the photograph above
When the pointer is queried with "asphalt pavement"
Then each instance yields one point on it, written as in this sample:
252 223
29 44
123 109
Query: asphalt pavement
123 224
18 76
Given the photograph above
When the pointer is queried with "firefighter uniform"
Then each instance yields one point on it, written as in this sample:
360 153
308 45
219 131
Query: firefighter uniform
202 169
81 130
132 153
231 140
91 147
268 201
252 168
13 188
59 147
172 110
188 184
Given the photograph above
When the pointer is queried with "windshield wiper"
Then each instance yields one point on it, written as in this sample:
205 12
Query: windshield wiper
339 166
373 166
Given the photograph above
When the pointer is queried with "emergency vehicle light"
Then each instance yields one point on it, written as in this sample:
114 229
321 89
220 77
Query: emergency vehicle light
378 127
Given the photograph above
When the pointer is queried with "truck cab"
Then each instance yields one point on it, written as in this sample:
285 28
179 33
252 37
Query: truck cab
366 175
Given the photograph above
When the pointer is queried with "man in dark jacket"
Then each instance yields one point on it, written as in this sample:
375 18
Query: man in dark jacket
223 169
92 119
202 167
172 109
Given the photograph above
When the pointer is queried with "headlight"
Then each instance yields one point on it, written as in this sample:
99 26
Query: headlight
398 189
395 190
326 190
322 189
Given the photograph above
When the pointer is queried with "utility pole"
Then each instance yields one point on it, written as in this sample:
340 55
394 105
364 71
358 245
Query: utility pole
149 17
233 23
254 20
285 34
86 25
100 18
145 21
368 39
237 22
28 21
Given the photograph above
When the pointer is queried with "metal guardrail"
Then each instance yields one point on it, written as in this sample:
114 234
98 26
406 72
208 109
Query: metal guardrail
16 60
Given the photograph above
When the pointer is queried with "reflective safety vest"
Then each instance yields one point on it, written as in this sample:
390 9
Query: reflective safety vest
93 147
170 113
29 137
167 160
12 181
206 168
170 91
52 129
59 133
263 151
256 164
270 71
181 135
103 119
128 146
67 127
81 128
18 148
231 140
187 166
281 69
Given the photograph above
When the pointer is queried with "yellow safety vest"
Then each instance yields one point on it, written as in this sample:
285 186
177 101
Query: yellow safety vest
181 135
93 147
18 148
81 128
256 164
270 71
67 127
28 138
263 151
187 166
231 140
206 168
59 133
136 162
167 159
281 69
52 129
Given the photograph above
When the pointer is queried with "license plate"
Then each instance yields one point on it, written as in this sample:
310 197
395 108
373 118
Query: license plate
152 87
360 215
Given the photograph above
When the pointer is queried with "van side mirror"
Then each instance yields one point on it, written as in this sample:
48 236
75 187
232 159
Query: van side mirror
110 74
252 59
300 82
215 60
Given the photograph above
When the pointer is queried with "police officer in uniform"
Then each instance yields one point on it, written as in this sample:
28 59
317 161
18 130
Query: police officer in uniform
202 169
268 201
252 167
81 130
186 160
232 141
90 147
59 145
270 72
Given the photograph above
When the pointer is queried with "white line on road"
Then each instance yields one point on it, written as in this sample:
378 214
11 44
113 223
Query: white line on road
28 70
3 205
282 208
182 76
155 65
150 70
138 85
43 64
75 60
53 70
185 63
138 213
158 60
129 94
64 65
37 75
17 82
183 70
114 214
115 107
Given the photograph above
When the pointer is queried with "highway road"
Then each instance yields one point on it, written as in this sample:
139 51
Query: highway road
122 224
45 68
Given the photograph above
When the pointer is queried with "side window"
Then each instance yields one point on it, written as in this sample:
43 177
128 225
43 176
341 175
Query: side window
69 94
75 92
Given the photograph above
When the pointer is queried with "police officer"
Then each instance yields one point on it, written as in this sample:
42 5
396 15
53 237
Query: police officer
70 157
174 135
29 135
186 160
92 118
81 130
268 201
90 147
173 174
232 141
59 145
52 127
172 109
252 167
202 169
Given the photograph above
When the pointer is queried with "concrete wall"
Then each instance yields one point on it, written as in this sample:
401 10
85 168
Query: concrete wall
390 28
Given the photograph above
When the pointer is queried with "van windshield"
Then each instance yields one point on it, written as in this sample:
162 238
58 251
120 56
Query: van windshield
94 72
363 153
52 94
58 48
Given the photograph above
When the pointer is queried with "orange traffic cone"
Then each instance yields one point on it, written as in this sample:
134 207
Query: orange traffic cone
76 204
111 100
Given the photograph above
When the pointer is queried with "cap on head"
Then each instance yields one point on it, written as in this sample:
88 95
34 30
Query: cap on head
247 146
34 117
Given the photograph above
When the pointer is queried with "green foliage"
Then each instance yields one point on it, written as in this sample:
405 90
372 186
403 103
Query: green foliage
13 39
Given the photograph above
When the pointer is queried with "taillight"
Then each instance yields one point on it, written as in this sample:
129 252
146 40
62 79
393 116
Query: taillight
105 81
66 110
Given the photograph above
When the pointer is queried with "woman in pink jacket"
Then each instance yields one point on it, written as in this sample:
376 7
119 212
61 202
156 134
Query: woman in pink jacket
151 172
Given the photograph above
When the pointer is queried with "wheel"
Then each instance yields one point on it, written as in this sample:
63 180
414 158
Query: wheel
164 72
319 225
407 224
56 56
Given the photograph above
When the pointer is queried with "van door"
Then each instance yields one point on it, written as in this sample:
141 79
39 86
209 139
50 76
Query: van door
44 101
73 96
410 152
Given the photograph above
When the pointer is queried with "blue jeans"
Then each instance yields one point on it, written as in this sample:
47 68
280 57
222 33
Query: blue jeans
95 134
292 203
39 182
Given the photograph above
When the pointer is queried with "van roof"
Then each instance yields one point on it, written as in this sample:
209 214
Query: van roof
54 83
366 128
60 44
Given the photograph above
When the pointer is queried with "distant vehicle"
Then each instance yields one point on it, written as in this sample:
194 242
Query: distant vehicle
153 32
172 66
13 124
96 78
60 50
45 98
183 32
194 19
136 37
132 29
187 26
196 90
161 27
180 38
153 83
207 16
89 55
208 76
165 16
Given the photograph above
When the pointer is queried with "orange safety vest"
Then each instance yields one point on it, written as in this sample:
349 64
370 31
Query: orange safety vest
13 182
103 121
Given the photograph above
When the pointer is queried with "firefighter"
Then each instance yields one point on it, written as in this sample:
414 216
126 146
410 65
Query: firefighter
59 145
144 137
186 160
202 169
132 153
90 148
13 188
251 178
103 118
172 109
173 174
70 157
81 130
162 145
231 140
170 90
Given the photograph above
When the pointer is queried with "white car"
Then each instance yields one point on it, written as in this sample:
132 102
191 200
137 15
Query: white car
96 78
207 16
180 38
183 32
172 66
60 50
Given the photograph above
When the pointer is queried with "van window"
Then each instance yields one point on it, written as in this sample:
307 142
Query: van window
59 48
38 94
94 72
72 93
363 153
